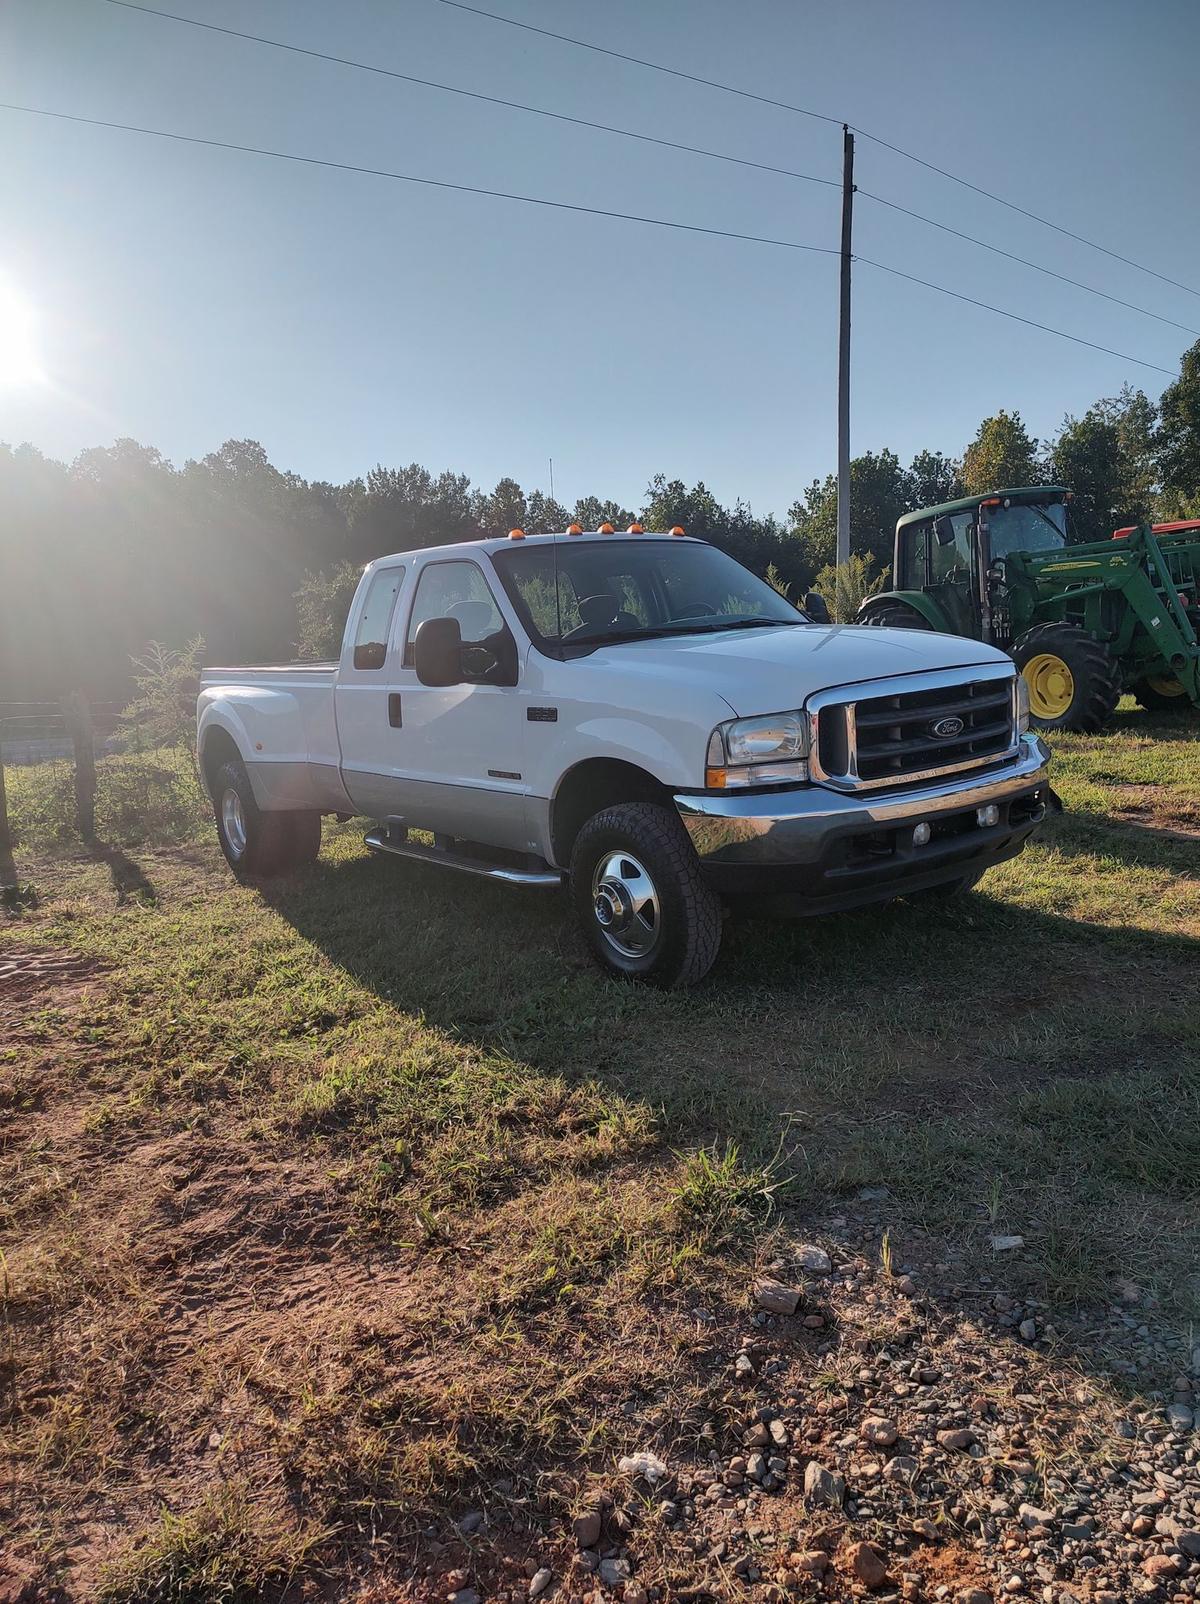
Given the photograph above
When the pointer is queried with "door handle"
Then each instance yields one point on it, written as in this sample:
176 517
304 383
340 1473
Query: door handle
394 718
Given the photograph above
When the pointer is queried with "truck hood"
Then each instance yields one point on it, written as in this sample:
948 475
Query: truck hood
770 669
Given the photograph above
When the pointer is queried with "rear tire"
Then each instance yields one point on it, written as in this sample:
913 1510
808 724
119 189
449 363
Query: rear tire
1074 681
895 615
257 844
1156 696
641 897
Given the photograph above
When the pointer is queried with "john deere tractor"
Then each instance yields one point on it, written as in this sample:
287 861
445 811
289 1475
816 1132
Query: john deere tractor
1081 622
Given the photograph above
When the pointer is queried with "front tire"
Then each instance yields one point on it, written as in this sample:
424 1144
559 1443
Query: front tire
258 844
1074 682
641 897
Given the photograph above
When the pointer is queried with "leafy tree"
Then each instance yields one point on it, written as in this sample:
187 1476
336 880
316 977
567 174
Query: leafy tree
1106 459
322 607
163 713
590 512
543 515
1178 440
932 479
505 509
1002 456
879 494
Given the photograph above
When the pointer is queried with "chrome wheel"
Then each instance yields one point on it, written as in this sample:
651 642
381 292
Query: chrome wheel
233 822
625 905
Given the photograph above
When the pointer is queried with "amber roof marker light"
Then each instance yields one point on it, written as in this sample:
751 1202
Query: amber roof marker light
516 534
677 529
574 529
635 529
605 529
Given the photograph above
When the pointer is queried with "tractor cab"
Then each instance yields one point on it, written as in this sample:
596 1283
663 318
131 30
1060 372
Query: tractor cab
954 556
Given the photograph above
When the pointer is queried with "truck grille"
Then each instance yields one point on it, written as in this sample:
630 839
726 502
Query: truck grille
915 728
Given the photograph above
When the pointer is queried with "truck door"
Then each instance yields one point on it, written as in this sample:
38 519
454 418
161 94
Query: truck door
366 700
952 573
464 744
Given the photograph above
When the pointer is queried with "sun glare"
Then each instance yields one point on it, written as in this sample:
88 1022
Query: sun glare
19 364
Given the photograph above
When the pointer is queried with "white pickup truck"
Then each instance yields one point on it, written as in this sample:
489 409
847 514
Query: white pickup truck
641 717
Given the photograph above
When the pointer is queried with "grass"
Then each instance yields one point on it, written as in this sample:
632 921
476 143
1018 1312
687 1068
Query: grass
370 1176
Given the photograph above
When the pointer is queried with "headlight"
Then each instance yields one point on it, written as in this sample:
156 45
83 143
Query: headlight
758 751
1022 705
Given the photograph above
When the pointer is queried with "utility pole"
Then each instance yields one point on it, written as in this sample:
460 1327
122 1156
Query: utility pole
843 501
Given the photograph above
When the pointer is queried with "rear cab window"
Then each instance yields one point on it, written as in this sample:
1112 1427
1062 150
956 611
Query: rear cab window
374 622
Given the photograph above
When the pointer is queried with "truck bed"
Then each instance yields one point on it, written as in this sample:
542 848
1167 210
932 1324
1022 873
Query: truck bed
304 673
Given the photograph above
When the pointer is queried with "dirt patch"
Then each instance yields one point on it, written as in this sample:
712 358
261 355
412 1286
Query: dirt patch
24 974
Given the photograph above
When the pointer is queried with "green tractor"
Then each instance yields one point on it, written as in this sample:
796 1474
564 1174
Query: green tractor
1081 622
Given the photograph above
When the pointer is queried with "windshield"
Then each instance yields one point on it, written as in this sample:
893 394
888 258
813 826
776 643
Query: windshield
1028 528
614 590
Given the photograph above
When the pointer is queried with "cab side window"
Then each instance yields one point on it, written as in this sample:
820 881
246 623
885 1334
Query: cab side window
371 637
454 590
953 562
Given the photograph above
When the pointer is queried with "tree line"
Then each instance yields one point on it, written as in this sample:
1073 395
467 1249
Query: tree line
119 547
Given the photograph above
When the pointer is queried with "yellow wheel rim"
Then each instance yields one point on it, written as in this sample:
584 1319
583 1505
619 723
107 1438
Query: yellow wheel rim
1051 685
1166 685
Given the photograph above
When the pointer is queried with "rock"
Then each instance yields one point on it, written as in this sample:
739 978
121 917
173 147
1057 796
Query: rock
635 1594
974 1595
471 1522
775 1298
743 1365
614 1571
814 1259
1006 1244
823 1486
1028 1330
647 1465
1180 1417
868 1566
926 1529
877 1431
587 1528
756 1437
540 1581
903 1469
756 1467
779 1433
959 1439
1189 1543
813 1562
1161 1567
906 1286
1030 1515
465 1595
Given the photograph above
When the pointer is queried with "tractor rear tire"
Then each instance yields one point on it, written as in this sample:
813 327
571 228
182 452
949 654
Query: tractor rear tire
895 615
1157 696
1074 680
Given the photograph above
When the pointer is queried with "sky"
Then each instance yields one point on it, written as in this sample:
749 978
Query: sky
185 295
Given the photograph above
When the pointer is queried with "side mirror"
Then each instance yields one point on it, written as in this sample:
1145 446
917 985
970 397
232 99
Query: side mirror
943 529
816 608
437 652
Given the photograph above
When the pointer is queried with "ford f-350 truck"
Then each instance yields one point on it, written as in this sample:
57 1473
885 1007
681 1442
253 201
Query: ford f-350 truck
641 718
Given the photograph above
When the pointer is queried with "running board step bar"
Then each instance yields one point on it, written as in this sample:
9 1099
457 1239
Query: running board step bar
382 840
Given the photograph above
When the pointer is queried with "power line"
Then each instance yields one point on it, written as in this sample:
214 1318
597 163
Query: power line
624 133
1037 267
804 111
471 94
1015 316
410 178
565 206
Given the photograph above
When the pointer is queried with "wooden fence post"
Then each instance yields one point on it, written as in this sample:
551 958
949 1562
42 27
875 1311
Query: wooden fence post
8 869
79 722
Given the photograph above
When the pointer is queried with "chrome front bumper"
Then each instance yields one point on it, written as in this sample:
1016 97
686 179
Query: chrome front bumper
847 847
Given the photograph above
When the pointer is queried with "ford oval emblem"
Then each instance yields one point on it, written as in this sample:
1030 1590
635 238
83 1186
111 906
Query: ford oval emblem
947 728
